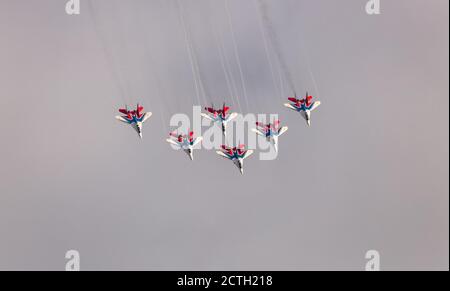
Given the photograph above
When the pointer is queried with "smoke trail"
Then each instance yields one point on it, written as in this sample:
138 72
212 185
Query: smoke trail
204 89
274 40
205 93
236 53
161 90
189 50
280 75
227 71
119 83
311 74
224 69
266 48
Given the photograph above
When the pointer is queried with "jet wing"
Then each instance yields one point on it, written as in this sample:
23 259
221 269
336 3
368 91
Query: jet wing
290 106
248 154
120 118
283 130
197 141
147 116
206 116
171 141
222 154
315 105
232 116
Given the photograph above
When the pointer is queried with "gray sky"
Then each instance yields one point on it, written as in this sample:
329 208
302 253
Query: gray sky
371 173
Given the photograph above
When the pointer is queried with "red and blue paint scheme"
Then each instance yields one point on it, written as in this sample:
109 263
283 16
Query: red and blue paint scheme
135 118
271 131
220 116
184 142
302 104
218 113
236 154
305 106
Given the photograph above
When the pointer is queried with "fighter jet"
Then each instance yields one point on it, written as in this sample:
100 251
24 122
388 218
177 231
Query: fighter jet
135 118
220 116
185 142
237 155
304 106
270 131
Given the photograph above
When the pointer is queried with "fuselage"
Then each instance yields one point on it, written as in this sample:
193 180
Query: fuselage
134 119
303 106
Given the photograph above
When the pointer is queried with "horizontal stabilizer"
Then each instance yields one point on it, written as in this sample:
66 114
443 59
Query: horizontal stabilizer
248 154
315 105
283 130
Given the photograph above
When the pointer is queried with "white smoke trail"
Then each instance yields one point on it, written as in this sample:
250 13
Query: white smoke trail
274 40
108 55
224 69
225 63
311 74
189 50
236 53
280 75
278 90
161 90
227 71
203 89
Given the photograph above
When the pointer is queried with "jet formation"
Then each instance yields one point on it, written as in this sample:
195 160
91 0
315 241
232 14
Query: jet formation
187 142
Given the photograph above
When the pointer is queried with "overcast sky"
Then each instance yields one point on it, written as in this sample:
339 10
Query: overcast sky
371 172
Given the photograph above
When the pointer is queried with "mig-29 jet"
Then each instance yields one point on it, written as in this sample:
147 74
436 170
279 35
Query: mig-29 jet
135 118
237 155
270 131
220 116
303 106
185 142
